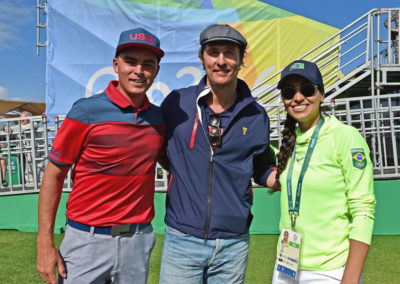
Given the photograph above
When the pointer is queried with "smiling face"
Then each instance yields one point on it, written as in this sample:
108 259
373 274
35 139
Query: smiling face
305 110
221 61
136 68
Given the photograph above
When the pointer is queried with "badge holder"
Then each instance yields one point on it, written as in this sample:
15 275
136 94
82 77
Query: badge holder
289 253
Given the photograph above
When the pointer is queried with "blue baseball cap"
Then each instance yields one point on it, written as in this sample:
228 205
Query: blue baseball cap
306 69
139 37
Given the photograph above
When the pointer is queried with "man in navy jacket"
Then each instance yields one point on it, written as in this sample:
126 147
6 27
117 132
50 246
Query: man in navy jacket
218 138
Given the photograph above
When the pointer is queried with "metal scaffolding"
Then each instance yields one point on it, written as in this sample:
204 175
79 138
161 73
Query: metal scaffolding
362 86
41 9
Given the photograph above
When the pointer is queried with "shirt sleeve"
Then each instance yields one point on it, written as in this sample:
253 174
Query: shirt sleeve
263 165
71 136
264 160
357 167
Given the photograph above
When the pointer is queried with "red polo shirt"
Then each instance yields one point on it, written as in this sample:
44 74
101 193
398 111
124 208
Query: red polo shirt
114 148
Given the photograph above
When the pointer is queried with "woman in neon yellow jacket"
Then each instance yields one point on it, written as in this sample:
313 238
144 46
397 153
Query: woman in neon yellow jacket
326 180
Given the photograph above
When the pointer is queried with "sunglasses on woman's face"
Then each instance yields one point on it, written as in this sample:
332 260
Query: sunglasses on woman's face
288 92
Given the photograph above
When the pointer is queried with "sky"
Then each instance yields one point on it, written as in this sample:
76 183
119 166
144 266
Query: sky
22 72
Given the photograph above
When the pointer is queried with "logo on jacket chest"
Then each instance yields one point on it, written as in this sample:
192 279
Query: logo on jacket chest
244 130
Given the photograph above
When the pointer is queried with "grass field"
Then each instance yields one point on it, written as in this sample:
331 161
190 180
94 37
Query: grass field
18 258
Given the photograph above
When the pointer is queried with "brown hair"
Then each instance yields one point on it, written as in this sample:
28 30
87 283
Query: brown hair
286 149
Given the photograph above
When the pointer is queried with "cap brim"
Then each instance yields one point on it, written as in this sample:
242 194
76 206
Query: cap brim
280 83
156 50
222 39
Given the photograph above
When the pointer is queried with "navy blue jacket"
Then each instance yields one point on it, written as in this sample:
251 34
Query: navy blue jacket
209 191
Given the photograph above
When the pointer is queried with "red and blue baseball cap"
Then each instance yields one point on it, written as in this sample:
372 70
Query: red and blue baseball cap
139 37
306 69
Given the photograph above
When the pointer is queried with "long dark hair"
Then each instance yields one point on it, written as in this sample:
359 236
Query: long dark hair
286 149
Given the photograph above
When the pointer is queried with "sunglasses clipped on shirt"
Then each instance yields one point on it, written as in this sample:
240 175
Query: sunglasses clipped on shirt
308 90
215 130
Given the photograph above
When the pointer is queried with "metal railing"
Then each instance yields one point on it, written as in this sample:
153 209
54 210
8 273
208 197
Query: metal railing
344 59
358 66
24 150
378 120
359 52
25 143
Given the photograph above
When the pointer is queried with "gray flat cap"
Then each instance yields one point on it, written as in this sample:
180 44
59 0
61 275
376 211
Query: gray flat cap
222 33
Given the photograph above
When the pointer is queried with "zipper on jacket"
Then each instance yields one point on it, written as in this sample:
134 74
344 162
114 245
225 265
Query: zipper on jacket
210 170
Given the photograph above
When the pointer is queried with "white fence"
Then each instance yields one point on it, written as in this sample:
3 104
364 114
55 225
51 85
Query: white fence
24 146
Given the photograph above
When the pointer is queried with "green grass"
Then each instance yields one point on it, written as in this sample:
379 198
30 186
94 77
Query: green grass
18 259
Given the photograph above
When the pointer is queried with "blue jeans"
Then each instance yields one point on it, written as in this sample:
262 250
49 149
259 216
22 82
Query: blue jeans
190 260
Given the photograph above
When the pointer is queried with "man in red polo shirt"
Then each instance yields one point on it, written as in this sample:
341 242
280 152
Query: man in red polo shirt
113 141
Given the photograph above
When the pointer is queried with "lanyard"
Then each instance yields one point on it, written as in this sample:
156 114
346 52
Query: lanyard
294 212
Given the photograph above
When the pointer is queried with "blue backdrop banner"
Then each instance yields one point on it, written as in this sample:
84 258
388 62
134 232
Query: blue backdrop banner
82 36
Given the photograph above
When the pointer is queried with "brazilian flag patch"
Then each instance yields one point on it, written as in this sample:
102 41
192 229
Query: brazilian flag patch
358 157
297 65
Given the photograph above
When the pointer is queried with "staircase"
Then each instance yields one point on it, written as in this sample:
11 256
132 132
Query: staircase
360 74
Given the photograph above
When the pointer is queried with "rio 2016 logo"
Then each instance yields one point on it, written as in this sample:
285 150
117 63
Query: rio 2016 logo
195 72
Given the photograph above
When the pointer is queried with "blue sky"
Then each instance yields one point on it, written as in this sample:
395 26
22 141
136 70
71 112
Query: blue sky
22 72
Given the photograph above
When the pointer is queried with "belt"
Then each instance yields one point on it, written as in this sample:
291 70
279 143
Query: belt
117 230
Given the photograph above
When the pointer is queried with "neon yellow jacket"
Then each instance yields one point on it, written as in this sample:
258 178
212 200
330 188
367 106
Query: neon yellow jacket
337 200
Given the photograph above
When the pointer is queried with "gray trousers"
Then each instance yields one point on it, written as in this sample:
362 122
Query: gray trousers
97 258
